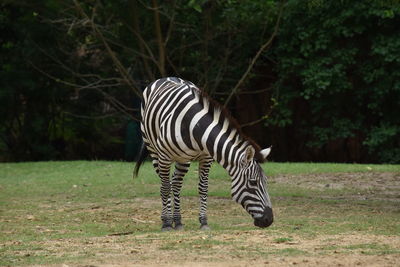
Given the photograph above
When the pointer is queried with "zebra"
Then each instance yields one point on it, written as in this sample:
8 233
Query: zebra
180 124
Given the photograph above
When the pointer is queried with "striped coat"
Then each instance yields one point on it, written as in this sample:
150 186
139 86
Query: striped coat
181 124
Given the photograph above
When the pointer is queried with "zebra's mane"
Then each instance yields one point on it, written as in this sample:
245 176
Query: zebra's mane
232 122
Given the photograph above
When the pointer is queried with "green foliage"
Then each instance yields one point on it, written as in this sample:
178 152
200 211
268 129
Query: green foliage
62 95
25 98
42 117
382 137
340 61
334 68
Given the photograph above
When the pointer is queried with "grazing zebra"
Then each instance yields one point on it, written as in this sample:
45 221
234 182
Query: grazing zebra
181 124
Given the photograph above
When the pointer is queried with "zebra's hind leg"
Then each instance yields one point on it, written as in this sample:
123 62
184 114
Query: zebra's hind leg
180 171
165 190
204 169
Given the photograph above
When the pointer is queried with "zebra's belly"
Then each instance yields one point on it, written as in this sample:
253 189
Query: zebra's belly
174 154
177 155
185 158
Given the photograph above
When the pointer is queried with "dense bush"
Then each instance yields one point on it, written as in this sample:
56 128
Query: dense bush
72 73
339 78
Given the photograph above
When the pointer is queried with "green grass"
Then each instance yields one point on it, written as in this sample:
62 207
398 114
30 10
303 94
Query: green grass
50 211
273 168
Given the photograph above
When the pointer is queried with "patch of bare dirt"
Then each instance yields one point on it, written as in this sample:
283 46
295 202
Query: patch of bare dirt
334 261
237 248
370 185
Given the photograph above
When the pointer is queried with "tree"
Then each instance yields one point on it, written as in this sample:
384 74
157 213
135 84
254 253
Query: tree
339 88
95 57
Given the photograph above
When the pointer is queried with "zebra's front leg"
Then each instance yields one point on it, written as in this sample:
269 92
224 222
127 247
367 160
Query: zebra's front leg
204 169
180 171
165 190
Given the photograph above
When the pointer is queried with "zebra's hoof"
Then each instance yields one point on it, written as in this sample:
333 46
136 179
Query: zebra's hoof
205 227
167 228
179 227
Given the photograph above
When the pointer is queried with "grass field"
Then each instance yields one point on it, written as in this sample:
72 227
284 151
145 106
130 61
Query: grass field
94 213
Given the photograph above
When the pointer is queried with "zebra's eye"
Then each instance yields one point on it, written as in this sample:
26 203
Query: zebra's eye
252 182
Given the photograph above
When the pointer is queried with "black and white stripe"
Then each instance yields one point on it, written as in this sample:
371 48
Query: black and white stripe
180 124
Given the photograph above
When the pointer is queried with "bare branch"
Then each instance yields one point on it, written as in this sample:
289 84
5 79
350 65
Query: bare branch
254 122
246 92
90 117
142 44
52 77
265 117
124 73
160 42
94 86
171 25
222 69
141 53
255 58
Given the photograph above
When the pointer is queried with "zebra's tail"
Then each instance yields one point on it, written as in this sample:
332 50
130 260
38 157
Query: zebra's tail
140 159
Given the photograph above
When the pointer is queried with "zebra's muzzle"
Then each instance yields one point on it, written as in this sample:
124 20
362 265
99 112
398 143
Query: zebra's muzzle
266 220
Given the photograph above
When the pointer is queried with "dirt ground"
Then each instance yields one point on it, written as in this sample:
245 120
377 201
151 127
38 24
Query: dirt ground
377 186
125 254
337 261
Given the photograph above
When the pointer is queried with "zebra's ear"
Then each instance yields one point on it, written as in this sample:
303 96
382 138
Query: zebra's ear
249 154
265 152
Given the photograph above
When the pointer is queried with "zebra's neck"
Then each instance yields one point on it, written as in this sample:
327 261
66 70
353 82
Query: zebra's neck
232 151
223 142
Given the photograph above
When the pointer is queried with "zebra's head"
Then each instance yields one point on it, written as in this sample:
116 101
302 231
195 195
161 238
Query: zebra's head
249 188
